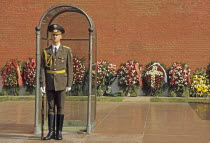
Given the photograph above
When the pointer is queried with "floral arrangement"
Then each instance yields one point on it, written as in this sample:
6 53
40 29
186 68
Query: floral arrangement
130 77
179 79
11 77
29 74
154 78
200 83
105 76
79 71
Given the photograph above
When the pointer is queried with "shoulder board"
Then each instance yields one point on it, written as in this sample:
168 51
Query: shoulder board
66 47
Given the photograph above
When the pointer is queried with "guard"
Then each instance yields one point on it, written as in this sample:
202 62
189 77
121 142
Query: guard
56 79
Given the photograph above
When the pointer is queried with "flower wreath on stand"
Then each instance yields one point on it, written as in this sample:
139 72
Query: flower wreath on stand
106 73
179 80
130 78
79 71
200 84
29 74
11 78
154 79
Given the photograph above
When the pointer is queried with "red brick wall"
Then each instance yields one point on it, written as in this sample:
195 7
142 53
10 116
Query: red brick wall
146 30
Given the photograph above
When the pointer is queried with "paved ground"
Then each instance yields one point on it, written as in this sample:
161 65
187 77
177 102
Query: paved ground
131 121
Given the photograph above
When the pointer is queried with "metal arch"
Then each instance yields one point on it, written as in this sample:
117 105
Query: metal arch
70 6
38 37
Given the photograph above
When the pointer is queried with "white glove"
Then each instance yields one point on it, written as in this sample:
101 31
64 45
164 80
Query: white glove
68 89
43 90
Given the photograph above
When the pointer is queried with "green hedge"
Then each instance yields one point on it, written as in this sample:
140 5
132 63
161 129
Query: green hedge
180 99
68 98
112 99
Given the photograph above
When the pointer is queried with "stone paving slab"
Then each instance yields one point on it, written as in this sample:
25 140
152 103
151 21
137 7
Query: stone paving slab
130 121
137 99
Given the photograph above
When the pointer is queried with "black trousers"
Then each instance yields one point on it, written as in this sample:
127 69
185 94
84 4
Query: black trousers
56 99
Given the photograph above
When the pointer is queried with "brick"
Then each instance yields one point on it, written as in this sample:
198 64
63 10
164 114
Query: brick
146 30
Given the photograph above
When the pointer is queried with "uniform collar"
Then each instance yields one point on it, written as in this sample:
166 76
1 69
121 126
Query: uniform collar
53 47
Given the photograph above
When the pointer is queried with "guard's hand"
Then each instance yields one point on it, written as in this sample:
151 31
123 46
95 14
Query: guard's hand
68 89
43 89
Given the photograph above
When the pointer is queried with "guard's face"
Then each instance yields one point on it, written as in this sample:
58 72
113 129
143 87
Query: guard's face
56 38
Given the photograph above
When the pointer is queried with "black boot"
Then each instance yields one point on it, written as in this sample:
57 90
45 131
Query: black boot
59 127
51 126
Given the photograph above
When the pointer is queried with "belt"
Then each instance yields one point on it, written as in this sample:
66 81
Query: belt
56 72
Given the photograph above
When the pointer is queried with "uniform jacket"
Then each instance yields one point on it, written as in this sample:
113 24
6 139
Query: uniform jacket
59 62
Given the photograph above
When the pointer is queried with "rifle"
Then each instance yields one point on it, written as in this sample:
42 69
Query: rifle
42 123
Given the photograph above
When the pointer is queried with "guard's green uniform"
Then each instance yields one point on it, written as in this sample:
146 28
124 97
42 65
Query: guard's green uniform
56 74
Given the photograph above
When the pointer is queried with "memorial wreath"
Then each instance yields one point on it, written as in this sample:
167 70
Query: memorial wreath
179 79
130 78
200 83
154 78
29 74
11 77
79 71
106 73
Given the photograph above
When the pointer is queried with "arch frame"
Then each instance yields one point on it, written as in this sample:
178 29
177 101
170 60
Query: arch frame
63 9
